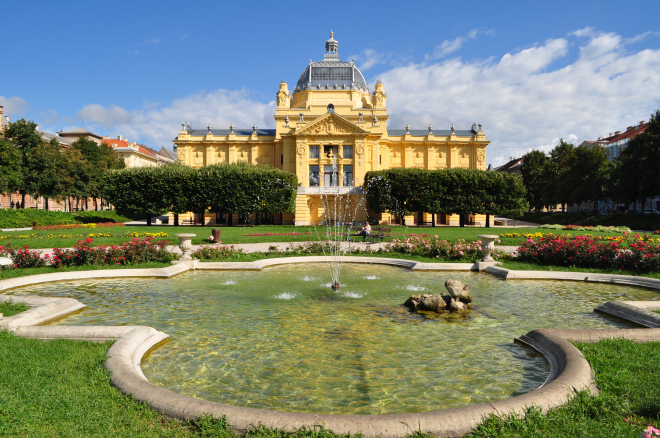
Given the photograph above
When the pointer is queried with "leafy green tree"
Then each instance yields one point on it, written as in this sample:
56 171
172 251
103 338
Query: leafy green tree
180 180
533 173
397 191
27 140
557 188
10 167
74 176
101 157
587 172
137 192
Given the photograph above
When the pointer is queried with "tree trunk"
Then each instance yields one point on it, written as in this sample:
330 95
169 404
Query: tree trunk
403 220
433 219
461 220
46 203
148 220
176 219
231 219
487 220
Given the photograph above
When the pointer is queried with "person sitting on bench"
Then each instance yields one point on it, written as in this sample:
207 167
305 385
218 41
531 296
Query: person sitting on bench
366 231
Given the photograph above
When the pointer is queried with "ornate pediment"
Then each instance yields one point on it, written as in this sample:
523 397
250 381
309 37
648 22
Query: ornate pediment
331 124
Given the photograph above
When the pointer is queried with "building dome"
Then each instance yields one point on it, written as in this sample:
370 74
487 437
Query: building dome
331 73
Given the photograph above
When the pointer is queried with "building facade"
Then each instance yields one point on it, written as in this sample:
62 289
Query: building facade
616 142
136 155
332 118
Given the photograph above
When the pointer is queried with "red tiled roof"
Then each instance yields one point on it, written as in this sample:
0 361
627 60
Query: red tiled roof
116 143
628 133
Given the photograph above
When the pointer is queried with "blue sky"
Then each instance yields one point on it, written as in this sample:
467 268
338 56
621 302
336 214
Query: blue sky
531 72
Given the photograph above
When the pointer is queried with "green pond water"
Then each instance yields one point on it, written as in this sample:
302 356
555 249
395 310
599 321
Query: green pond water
282 339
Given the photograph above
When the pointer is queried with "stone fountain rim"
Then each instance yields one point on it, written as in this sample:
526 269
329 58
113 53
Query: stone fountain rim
569 371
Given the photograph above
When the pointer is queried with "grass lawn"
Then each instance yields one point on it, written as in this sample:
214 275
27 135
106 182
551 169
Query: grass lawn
258 234
9 308
61 389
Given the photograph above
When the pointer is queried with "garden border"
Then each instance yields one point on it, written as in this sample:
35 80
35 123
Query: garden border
569 371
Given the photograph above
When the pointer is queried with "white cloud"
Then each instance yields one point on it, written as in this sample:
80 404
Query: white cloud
156 125
14 107
450 46
524 99
106 117
370 58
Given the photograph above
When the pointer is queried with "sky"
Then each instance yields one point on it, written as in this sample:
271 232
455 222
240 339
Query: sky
531 72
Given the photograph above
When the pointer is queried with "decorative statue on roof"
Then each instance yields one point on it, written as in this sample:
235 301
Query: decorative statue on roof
283 99
379 95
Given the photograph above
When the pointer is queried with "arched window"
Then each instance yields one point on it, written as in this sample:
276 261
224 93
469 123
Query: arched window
331 108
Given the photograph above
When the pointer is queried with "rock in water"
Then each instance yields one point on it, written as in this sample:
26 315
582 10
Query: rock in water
457 305
413 302
458 290
434 303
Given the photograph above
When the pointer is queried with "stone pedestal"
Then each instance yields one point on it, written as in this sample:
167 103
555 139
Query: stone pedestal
488 246
185 243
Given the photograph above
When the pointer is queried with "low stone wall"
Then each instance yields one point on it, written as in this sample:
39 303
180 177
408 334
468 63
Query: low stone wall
569 371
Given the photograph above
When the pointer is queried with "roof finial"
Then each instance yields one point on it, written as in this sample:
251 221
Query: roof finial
331 33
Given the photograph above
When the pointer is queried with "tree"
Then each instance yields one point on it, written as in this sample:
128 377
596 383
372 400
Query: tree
397 191
10 167
587 171
558 189
34 171
75 174
101 157
533 174
137 192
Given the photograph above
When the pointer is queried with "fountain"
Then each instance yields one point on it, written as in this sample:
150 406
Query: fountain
280 339
339 215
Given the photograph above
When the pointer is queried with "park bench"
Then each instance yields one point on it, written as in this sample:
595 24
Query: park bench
377 233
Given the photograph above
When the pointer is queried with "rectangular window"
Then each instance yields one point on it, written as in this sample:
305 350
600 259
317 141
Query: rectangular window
348 176
328 180
313 176
380 159
348 151
314 151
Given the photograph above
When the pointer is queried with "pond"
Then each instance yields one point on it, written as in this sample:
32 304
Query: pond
281 339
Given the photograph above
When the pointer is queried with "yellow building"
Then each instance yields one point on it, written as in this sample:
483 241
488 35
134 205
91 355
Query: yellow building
332 115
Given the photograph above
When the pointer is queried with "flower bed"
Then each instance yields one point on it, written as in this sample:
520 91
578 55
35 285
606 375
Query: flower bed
128 253
438 248
73 226
596 228
587 252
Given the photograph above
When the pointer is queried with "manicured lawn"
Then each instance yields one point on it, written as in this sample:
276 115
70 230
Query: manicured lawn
628 375
61 389
262 233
